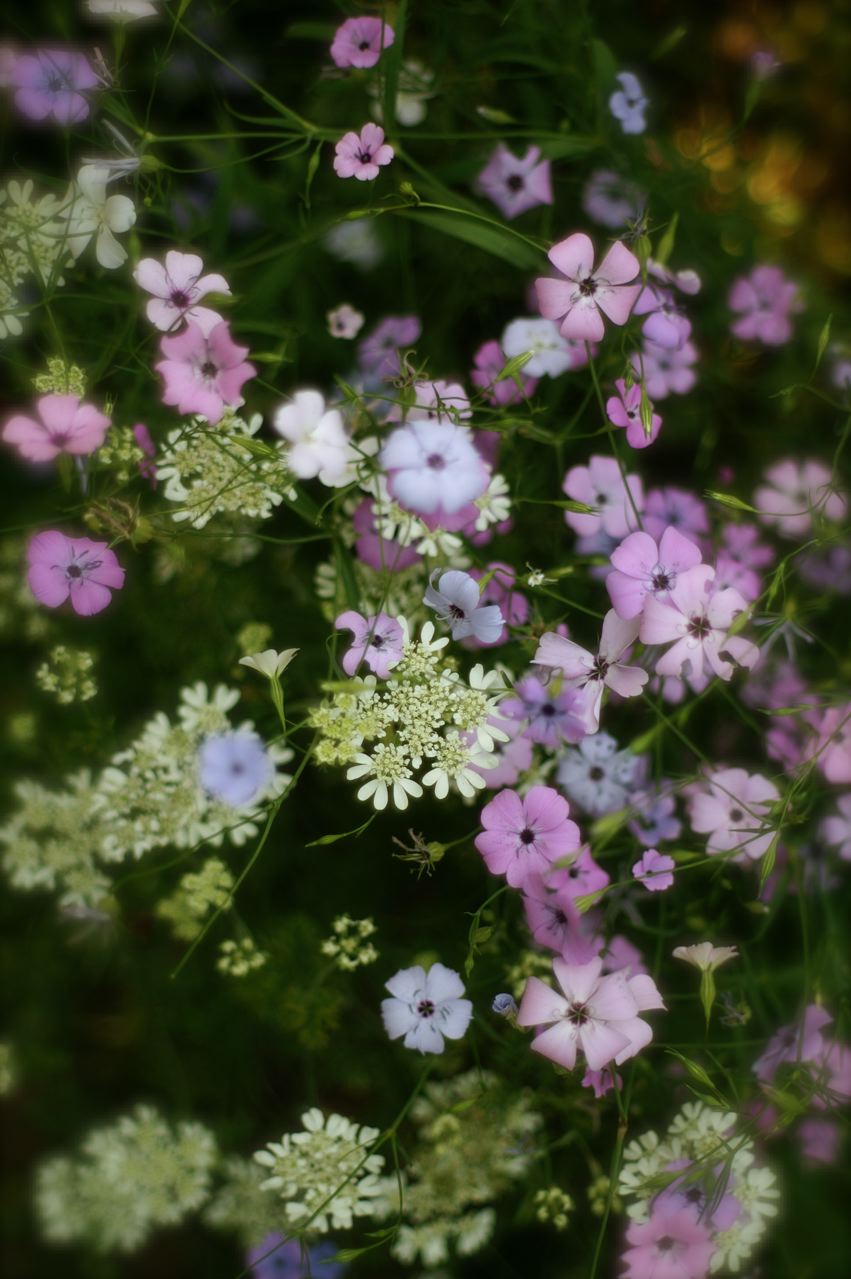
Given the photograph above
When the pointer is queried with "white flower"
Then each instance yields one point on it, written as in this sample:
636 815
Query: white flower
123 10
390 771
270 663
705 956
319 443
425 1007
93 213
494 505
551 353
455 599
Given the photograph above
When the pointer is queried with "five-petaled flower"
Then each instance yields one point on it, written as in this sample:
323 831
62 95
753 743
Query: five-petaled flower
425 1007
361 155
63 425
589 293
78 569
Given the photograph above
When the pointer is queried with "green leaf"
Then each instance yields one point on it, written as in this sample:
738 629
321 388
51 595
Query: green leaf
494 116
666 244
312 167
605 66
485 235
823 339
769 857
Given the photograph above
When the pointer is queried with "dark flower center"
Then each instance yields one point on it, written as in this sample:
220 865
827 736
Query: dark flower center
699 627
457 613
208 369
588 287
425 1008
74 570
736 815
665 1244
577 1015
365 157
435 461
596 774
377 641
599 669
180 299
363 46
515 182
661 581
548 710
527 836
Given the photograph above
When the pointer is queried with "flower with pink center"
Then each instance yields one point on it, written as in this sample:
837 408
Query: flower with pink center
204 372
378 353
733 808
556 922
344 321
548 717
665 371
74 568
490 360
666 325
63 425
524 835
695 620
359 42
653 870
674 1243
799 1043
516 184
763 302
361 155
832 748
836 829
676 508
53 82
601 485
177 287
643 568
379 641
591 1013
624 409
589 293
433 465
595 671
793 492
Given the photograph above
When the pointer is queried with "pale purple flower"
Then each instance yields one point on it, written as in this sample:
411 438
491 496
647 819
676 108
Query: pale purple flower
378 353
793 492
643 568
425 1007
177 288
597 776
832 747
63 425
591 1013
556 922
552 354
439 401
455 599
733 808
764 64
624 410
601 485
278 1258
612 200
549 718
820 1140
739 555
235 768
666 325
653 870
516 184
595 671
695 619
524 835
379 641
500 589
433 466
78 569
674 1243
799 1043
836 829
675 508
358 42
581 877
361 155
628 103
764 302
204 373
490 360
344 321
580 302
655 820
600 1082
665 372
53 82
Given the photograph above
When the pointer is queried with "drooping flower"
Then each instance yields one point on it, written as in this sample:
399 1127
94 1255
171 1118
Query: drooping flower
674 1243
177 287
591 1013
78 569
361 155
733 809
432 466
379 641
624 409
490 360
595 671
204 372
705 956
319 445
551 354
235 768
270 663
653 870
580 303
425 1007
344 321
696 619
615 498
359 42
64 425
628 103
53 82
597 776
524 835
763 302
516 184
793 492
643 569
456 602
91 212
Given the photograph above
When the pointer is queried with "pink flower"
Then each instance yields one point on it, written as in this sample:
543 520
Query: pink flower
556 922
836 829
624 409
589 294
592 1013
793 492
601 485
344 321
581 877
490 360
763 300
65 426
379 641
653 870
204 373
596 671
695 619
673 1244
177 289
433 466
666 325
664 371
832 749
643 569
358 42
61 567
52 82
360 155
676 507
513 184
799 1042
525 835
732 809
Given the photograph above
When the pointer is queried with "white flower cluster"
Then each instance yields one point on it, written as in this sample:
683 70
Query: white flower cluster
196 895
148 797
239 958
325 1175
723 1163
223 471
425 716
241 1207
33 243
67 675
131 1177
348 946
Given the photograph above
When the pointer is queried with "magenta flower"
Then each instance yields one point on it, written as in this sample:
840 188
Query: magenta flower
358 42
653 870
549 718
695 619
588 294
64 425
525 835
595 671
433 466
177 288
591 1013
643 569
490 360
624 409
361 155
516 184
62 567
763 301
147 464
379 641
204 373
793 492
52 82
665 371
733 809
601 485
673 1244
